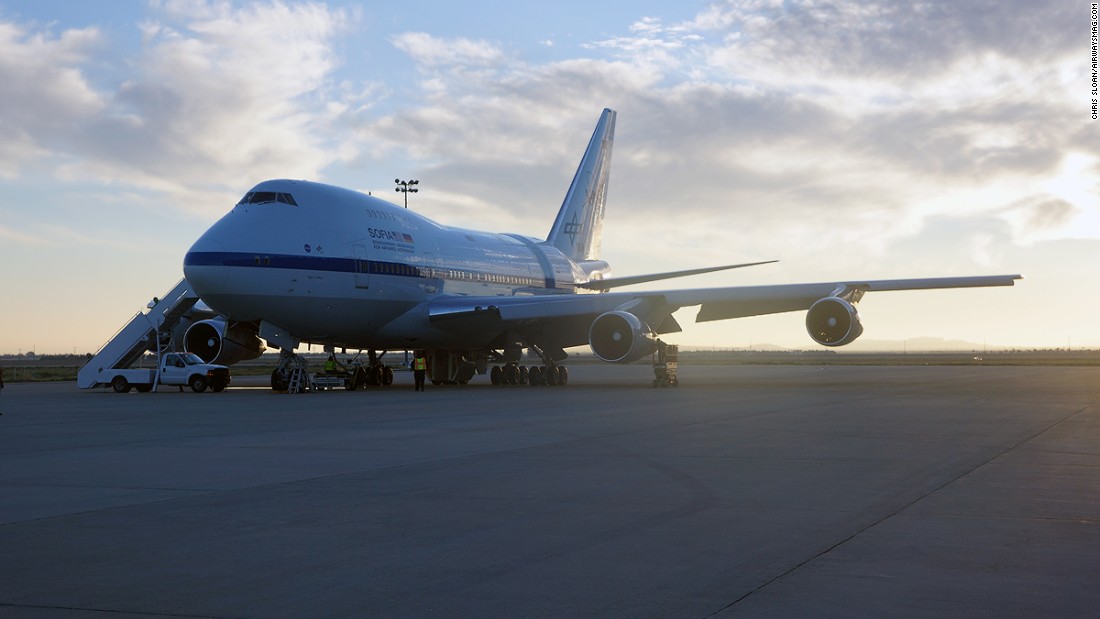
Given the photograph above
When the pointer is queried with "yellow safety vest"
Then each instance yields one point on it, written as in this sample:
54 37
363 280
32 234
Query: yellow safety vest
420 363
330 366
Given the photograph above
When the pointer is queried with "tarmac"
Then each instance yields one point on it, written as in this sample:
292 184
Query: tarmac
749 491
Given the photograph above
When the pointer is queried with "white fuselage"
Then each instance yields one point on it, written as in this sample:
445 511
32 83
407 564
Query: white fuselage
335 266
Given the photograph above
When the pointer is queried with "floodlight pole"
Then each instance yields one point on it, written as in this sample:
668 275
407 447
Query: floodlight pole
406 187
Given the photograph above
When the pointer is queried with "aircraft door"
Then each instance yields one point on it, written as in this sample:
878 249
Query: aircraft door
362 267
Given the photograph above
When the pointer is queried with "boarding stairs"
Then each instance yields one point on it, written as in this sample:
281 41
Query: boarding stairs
151 330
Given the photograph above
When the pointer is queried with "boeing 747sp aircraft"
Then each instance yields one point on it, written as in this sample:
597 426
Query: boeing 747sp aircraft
300 262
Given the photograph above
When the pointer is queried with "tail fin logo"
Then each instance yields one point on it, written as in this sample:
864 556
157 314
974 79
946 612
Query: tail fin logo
572 230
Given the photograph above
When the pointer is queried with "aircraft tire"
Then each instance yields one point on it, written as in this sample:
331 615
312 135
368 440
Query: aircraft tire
278 381
496 375
375 376
524 374
387 376
563 375
534 376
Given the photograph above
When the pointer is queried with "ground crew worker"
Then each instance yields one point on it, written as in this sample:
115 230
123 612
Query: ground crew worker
420 366
331 366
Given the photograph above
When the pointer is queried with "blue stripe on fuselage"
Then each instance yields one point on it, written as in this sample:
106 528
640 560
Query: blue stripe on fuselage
342 265
281 261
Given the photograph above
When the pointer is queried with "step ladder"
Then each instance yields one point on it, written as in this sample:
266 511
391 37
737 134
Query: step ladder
297 380
146 331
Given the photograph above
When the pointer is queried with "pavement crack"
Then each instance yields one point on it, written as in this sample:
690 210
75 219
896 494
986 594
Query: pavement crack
902 508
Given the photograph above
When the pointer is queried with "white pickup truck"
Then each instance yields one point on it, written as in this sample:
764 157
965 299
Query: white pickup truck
176 368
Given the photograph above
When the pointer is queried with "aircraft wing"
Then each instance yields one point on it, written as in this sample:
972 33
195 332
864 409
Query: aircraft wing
725 303
565 319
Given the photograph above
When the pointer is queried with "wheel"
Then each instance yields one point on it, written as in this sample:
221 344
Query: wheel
550 376
534 376
198 383
120 384
278 381
217 388
143 388
563 375
511 374
496 375
349 383
524 374
387 376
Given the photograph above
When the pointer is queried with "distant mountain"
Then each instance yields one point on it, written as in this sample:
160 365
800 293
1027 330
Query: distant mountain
918 344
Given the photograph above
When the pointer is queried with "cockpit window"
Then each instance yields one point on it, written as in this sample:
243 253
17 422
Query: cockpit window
262 197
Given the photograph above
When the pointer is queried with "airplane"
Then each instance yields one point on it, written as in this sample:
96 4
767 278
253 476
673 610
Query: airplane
297 262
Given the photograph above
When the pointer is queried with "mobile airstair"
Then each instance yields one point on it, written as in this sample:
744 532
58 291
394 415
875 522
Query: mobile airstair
151 330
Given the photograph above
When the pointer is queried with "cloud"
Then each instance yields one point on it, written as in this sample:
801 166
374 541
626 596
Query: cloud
17 238
1050 213
45 91
220 96
431 51
891 43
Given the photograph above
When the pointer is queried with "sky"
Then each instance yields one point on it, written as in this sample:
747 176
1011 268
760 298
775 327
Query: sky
848 140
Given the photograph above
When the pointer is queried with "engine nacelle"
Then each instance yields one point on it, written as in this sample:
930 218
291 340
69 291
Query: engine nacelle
620 337
216 342
832 321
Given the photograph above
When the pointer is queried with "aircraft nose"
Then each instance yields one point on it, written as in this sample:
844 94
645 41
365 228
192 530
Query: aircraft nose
204 265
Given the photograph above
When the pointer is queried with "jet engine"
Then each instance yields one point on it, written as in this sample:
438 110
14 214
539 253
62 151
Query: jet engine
216 342
620 337
832 321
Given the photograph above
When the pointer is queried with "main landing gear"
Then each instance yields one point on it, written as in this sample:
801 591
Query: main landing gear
549 374
536 375
374 373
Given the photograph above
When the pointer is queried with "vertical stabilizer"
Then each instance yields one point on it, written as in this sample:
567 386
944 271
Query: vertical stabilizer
579 227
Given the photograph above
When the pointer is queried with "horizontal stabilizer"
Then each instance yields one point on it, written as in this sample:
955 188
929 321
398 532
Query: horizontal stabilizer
615 282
